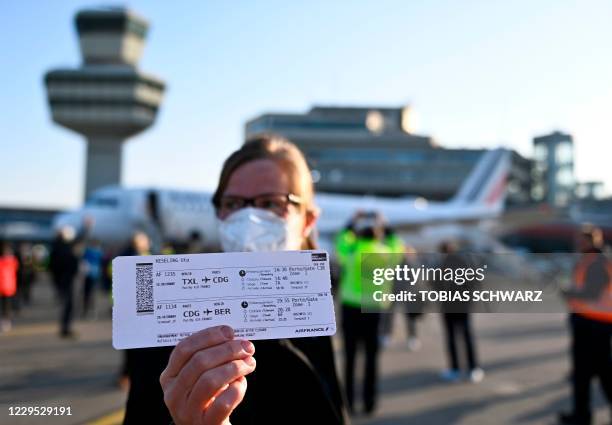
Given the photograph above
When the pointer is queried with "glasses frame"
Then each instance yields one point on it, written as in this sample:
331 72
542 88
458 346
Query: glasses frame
291 198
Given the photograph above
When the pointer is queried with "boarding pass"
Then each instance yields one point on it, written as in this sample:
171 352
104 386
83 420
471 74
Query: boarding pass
160 299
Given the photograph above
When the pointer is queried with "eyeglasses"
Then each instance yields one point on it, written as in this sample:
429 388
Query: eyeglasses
277 203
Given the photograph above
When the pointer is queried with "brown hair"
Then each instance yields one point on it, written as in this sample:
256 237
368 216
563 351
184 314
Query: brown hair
290 159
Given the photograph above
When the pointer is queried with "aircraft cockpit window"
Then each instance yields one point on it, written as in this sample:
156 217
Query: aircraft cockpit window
103 202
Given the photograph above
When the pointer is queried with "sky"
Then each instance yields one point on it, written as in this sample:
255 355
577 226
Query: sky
476 74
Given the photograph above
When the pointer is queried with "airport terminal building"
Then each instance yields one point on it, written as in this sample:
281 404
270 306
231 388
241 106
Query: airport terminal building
371 151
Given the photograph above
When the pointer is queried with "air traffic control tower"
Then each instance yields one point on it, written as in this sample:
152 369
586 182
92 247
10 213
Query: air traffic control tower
108 99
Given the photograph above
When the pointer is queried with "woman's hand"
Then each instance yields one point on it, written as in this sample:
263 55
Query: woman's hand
205 377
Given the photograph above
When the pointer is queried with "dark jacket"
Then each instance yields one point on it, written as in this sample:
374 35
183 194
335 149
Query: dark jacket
456 261
295 382
63 262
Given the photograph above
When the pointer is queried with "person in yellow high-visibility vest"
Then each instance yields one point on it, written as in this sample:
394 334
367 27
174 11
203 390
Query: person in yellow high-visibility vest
363 234
590 305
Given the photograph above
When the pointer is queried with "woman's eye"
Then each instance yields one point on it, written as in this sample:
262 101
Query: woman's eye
268 204
231 204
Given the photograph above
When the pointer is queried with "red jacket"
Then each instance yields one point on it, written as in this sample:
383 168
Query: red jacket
8 275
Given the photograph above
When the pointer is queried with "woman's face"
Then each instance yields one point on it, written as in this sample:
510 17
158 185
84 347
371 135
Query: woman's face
264 176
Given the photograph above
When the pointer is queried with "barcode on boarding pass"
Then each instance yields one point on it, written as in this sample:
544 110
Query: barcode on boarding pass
144 288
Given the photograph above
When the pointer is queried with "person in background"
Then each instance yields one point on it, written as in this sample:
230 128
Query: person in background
106 272
414 315
590 319
140 244
363 234
57 246
395 244
92 259
167 249
457 324
413 342
8 284
195 245
408 253
26 274
64 265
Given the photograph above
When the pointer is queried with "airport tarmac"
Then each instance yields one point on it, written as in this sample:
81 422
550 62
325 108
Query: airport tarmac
524 356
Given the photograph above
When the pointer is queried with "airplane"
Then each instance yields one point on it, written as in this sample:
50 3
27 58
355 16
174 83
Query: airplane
118 212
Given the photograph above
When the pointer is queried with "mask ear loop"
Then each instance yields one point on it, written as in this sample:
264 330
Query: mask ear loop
313 231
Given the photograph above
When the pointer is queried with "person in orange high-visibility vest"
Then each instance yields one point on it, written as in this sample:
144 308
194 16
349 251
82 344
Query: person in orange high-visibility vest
590 304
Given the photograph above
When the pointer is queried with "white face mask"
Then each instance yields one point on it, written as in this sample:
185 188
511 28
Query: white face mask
255 229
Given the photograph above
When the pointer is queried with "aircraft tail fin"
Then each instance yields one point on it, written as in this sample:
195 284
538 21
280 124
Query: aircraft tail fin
486 184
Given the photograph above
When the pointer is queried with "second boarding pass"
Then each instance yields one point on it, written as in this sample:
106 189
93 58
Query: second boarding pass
160 299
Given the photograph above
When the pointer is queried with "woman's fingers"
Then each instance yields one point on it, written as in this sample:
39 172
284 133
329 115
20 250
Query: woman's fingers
188 346
210 358
219 410
204 380
213 380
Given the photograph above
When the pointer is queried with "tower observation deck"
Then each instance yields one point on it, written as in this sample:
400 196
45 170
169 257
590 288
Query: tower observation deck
108 99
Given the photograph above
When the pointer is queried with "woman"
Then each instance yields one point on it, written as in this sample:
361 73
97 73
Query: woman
264 201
